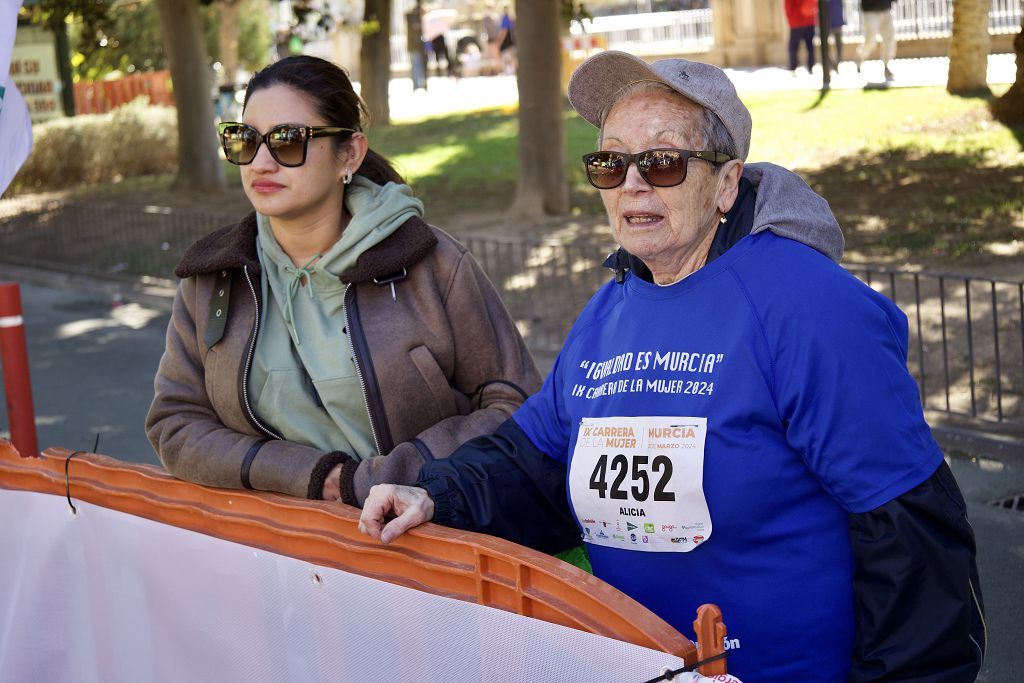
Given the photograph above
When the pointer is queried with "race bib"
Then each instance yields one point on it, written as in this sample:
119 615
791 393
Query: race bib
637 483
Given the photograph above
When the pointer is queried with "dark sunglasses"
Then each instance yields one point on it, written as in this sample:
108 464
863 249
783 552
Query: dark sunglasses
658 167
287 142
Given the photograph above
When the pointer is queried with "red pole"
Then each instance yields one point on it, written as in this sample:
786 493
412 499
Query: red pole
14 361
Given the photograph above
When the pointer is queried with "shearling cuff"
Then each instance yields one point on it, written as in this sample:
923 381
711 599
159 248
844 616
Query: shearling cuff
322 469
348 487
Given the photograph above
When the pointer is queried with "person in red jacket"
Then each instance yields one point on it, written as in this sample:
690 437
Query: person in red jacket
802 15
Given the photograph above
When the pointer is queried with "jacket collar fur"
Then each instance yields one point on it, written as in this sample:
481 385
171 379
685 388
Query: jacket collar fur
235 247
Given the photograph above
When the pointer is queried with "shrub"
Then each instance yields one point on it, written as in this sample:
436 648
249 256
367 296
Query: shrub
132 140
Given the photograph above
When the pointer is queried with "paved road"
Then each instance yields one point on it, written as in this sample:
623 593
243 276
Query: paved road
92 366
1000 537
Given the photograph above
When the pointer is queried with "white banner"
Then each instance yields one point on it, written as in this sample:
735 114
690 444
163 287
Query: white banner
35 74
107 596
15 125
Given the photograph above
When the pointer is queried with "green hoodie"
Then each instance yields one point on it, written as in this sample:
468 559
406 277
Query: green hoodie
303 376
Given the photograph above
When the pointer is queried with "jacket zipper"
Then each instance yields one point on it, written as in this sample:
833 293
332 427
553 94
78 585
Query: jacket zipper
353 331
981 616
248 361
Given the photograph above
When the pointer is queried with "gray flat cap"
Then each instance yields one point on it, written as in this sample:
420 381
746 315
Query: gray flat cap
597 82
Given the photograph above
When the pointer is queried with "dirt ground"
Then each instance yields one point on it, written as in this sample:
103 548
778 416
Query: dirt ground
952 219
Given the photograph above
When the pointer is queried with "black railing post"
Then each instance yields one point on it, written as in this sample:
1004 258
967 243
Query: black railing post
920 337
945 342
995 343
970 345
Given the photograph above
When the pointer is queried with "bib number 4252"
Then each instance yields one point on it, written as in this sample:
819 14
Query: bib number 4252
636 468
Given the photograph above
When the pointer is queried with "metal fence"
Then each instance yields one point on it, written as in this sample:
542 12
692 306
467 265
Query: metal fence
654 33
1005 16
923 19
544 284
966 333
100 238
966 340
692 31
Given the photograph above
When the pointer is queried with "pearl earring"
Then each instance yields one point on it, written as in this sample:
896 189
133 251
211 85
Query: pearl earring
722 219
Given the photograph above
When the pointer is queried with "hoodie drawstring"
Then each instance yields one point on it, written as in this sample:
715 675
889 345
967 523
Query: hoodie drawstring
293 288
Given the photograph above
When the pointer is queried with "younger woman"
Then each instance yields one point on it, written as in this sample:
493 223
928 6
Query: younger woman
332 339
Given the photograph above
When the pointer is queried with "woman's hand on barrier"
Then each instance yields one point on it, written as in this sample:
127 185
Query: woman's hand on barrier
405 507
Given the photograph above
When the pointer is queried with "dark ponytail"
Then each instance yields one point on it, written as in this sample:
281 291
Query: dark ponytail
377 168
329 89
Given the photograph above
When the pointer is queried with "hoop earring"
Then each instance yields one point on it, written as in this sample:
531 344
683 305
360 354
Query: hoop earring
347 178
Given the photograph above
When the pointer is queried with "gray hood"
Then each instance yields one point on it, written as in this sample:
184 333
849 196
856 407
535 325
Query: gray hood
787 206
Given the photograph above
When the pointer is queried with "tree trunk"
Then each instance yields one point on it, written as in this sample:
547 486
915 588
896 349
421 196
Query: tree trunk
228 38
1010 107
968 47
199 166
375 61
542 188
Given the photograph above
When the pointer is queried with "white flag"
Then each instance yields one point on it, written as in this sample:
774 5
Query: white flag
15 125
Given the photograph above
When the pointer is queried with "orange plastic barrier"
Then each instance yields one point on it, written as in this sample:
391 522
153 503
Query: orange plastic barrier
97 97
462 565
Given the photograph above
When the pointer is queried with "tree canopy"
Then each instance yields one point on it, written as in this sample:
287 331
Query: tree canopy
130 39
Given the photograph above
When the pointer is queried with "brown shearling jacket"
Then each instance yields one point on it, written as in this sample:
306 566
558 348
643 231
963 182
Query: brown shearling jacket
439 357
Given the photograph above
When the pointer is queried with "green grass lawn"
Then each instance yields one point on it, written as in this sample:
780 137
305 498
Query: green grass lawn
850 122
912 173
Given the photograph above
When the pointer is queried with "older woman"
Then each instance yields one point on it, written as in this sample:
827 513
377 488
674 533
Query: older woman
730 419
332 339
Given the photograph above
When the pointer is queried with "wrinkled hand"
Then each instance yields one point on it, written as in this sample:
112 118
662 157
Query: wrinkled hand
332 484
405 506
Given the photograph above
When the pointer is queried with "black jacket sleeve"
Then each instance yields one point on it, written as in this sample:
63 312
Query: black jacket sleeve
917 600
503 485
